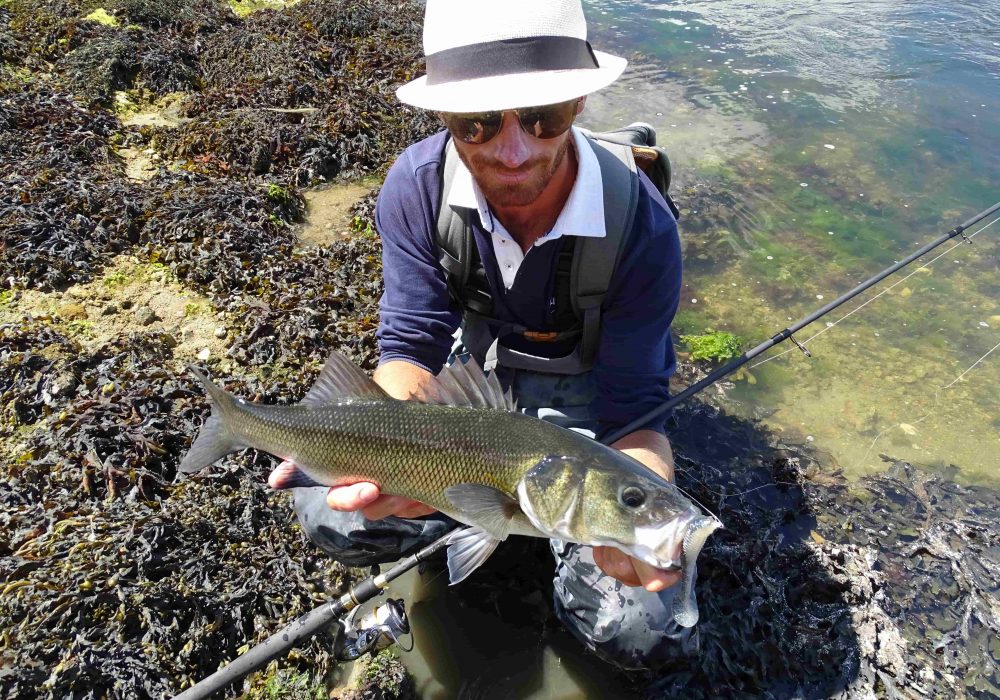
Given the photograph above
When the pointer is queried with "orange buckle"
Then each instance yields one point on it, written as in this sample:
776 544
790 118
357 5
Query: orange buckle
541 337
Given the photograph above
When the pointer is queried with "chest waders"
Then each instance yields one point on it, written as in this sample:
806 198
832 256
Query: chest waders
584 271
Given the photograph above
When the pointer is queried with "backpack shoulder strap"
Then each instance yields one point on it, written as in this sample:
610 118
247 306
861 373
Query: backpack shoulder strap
452 234
595 259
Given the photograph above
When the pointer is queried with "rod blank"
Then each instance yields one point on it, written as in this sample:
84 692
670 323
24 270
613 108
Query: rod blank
783 335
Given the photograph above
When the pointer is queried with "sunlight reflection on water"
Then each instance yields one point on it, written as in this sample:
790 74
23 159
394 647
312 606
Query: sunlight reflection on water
813 146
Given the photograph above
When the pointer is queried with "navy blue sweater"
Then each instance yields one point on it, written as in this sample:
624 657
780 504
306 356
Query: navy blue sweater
635 355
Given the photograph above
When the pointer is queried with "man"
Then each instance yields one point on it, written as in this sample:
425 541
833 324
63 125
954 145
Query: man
507 80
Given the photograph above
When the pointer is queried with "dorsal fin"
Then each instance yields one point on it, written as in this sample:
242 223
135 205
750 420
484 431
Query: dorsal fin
342 379
463 383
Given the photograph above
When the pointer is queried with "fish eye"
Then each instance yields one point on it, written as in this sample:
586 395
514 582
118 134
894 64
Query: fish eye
632 496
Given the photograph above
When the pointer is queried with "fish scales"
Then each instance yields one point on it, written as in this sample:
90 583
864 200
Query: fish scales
470 455
405 447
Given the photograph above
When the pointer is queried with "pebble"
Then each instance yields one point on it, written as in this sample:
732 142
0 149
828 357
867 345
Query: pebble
109 309
145 316
204 354
830 146
72 311
984 324
220 332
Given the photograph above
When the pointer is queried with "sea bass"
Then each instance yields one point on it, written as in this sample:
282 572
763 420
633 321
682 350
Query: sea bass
472 456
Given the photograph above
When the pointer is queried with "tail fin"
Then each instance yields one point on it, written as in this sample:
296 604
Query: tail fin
215 440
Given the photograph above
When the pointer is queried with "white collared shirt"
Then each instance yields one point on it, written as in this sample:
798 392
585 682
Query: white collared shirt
582 215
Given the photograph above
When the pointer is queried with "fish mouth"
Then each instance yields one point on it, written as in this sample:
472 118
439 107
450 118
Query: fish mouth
676 545
662 545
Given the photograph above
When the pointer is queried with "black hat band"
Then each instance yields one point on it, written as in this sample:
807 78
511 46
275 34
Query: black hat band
510 56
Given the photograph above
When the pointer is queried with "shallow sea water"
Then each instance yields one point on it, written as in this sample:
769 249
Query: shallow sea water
812 147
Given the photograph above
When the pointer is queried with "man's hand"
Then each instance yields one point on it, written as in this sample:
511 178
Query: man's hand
403 381
653 450
634 572
365 496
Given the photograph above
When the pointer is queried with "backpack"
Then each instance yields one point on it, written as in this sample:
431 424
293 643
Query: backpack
584 270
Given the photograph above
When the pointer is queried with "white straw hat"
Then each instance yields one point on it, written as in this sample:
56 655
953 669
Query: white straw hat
505 54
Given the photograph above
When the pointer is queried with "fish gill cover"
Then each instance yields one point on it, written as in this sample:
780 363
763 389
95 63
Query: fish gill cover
119 580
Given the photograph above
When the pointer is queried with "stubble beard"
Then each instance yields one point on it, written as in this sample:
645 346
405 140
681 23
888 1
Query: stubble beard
500 194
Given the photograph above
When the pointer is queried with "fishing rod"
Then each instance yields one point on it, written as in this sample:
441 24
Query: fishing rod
786 334
376 631
386 624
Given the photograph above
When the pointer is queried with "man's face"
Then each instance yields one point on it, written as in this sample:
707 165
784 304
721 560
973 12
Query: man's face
514 168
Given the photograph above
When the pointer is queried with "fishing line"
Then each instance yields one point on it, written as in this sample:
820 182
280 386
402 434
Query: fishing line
932 410
726 495
989 352
789 332
884 291
685 493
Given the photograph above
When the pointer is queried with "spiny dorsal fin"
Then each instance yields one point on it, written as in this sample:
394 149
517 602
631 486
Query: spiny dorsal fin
463 383
342 379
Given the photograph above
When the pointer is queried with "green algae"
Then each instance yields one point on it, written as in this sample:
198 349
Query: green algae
243 8
717 346
286 684
101 15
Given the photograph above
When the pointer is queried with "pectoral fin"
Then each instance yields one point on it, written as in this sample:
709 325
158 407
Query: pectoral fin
467 550
487 508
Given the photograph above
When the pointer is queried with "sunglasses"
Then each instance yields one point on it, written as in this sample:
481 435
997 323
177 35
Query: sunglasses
545 122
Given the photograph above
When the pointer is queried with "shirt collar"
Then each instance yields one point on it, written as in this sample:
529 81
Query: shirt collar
582 215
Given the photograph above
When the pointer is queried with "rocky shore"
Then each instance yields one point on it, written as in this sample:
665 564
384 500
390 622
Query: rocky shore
156 158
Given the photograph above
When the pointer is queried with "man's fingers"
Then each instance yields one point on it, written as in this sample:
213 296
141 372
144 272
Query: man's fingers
416 509
353 497
385 506
616 564
633 572
655 580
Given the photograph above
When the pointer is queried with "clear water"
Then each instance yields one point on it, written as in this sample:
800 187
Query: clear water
813 145
748 97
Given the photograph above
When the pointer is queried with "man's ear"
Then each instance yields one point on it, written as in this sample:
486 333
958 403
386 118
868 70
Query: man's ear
580 105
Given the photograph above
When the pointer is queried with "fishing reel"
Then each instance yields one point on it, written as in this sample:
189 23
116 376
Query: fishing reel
379 629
